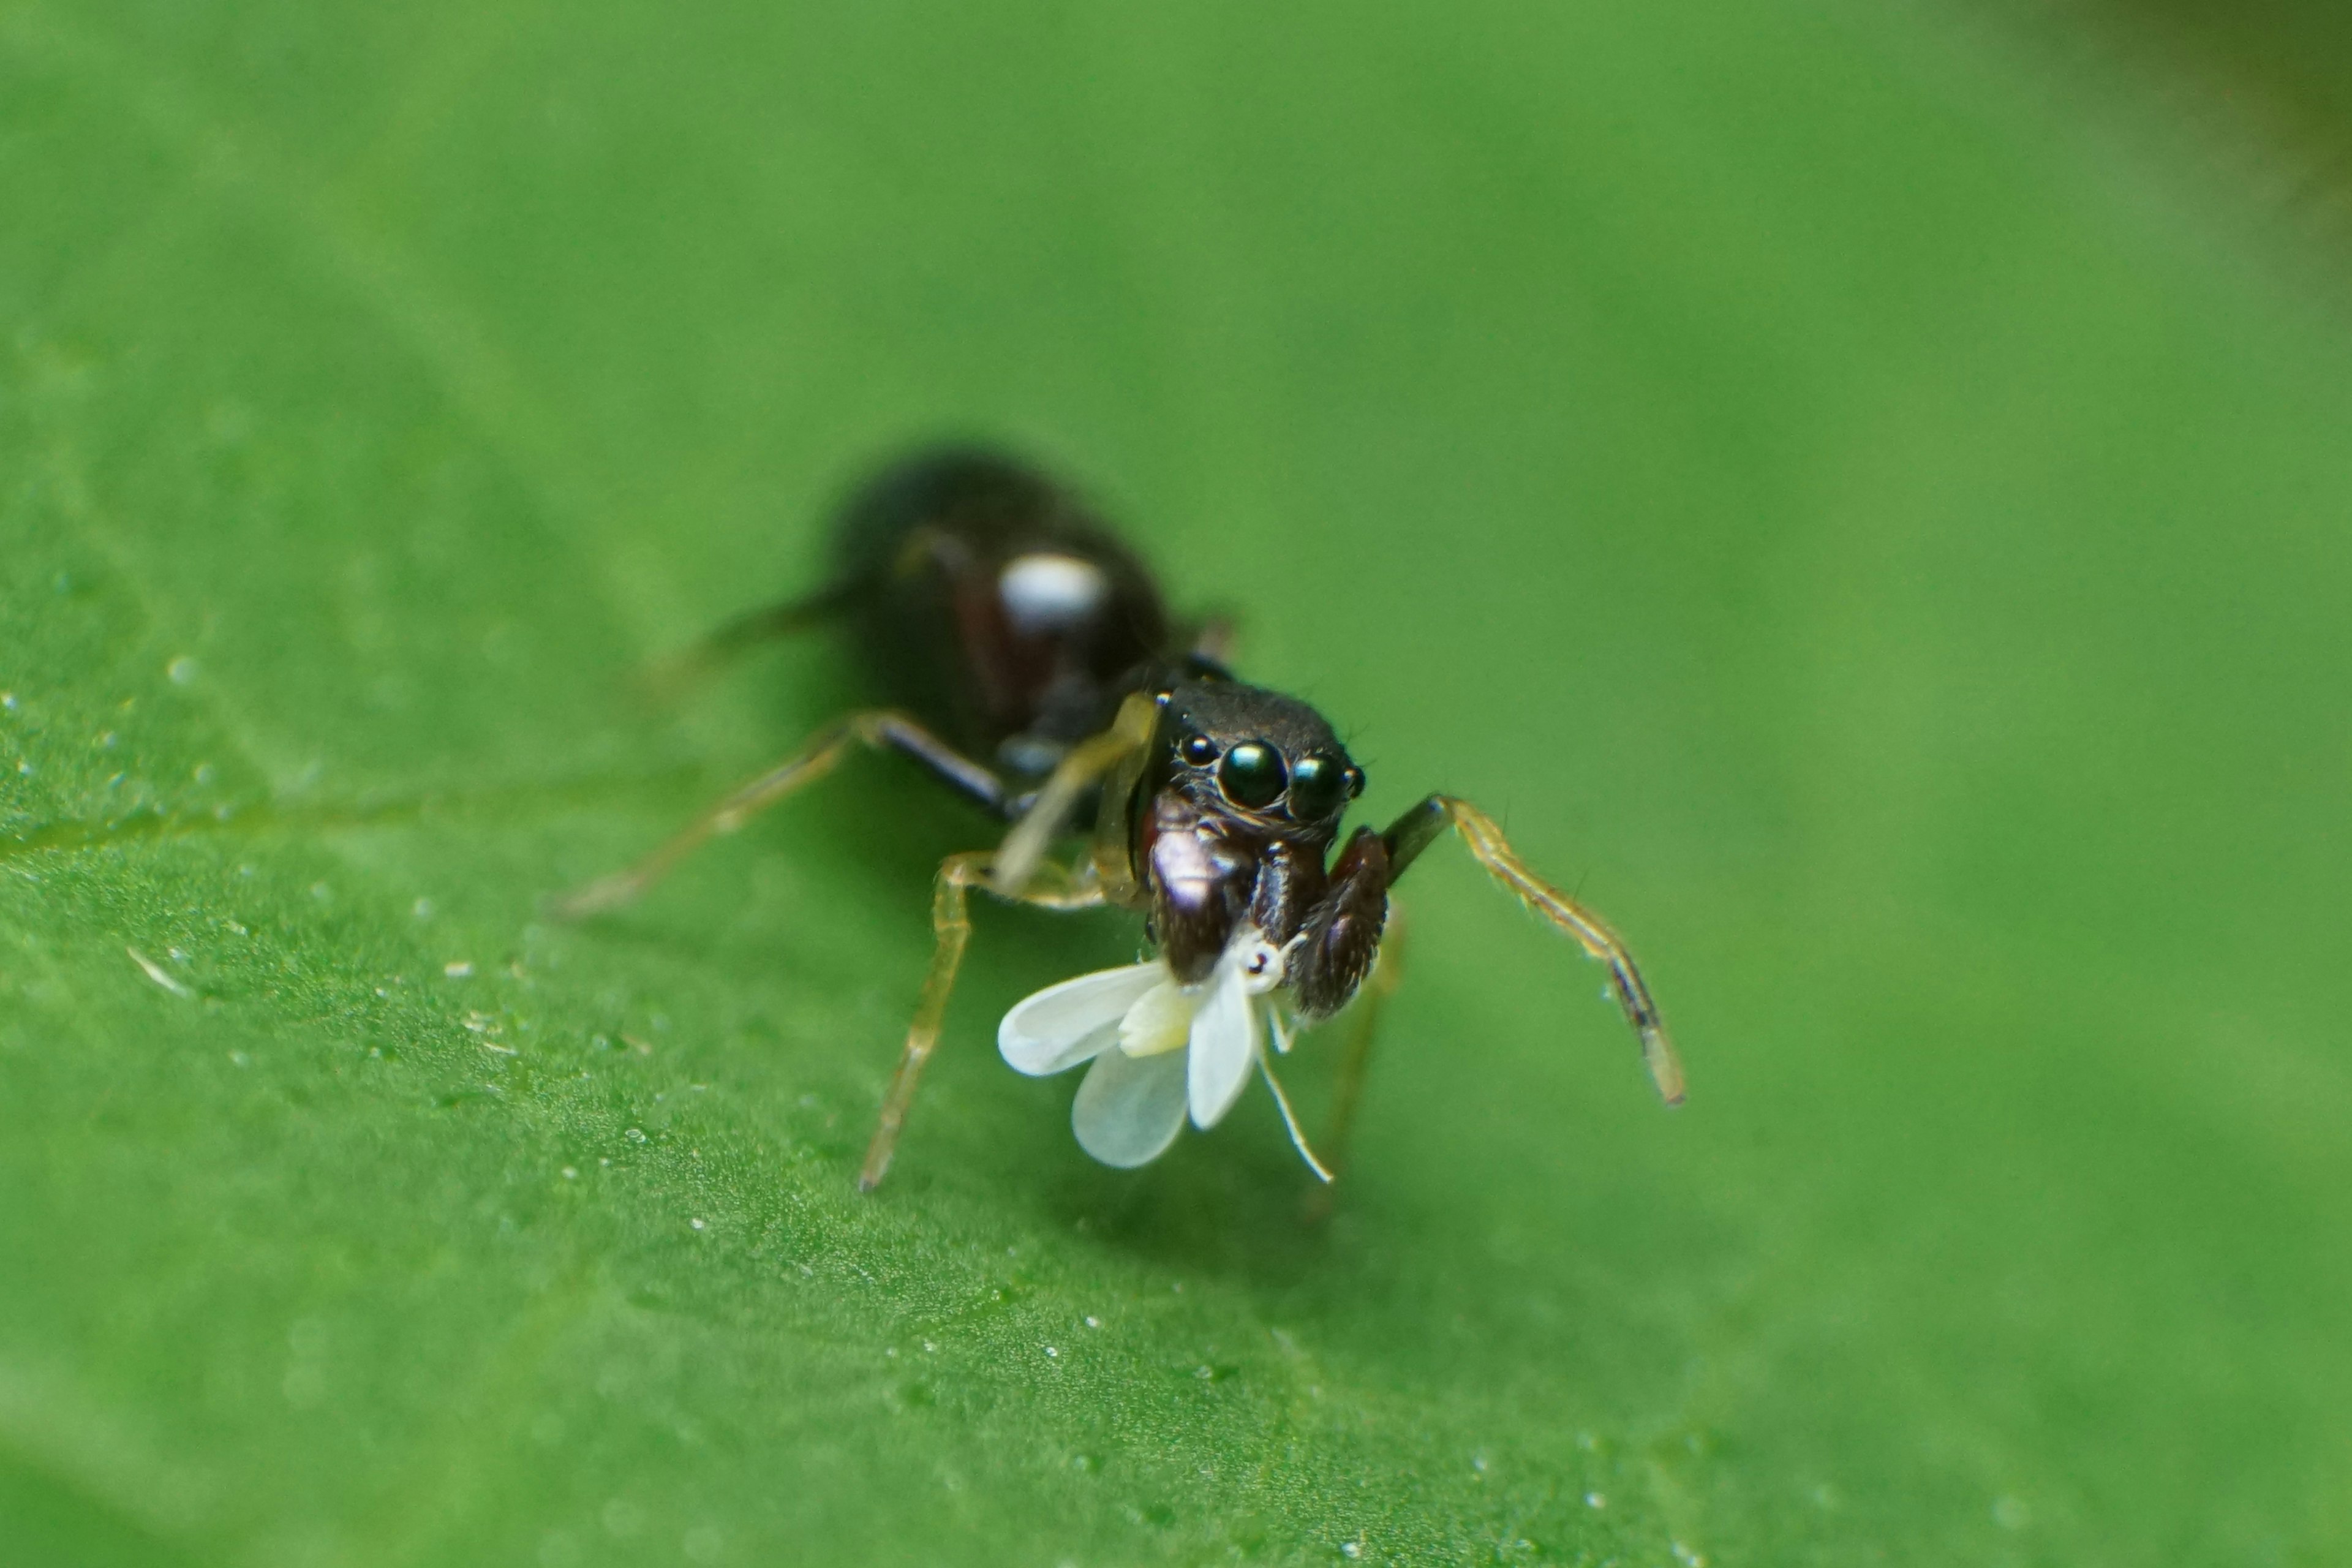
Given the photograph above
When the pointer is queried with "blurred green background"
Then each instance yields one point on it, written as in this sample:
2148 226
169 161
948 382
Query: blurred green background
1862 491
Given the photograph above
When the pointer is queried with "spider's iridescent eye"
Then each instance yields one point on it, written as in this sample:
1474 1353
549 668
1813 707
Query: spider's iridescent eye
1319 787
1355 783
1252 776
1199 749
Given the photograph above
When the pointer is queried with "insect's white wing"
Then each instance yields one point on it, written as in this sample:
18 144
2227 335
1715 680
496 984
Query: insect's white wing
1223 1045
1065 1024
1129 1108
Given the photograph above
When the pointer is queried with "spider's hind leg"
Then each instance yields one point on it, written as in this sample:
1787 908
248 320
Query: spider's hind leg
674 676
1363 1023
880 728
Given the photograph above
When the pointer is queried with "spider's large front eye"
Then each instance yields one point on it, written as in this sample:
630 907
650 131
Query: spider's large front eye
1252 776
1319 787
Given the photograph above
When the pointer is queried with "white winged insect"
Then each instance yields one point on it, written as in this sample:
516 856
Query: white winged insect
1160 1049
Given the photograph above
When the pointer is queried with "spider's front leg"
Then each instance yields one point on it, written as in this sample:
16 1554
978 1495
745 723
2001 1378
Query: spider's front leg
1413 832
950 931
1349 954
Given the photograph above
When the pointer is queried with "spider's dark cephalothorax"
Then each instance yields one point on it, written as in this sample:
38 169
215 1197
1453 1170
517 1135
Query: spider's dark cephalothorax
1028 661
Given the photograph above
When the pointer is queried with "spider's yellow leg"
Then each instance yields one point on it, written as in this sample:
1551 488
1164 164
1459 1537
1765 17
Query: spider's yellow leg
880 728
672 677
1411 833
1492 850
1363 1023
1024 847
951 930
1363 1020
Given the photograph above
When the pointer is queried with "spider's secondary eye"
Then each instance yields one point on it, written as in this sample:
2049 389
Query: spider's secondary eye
1199 749
1252 774
1355 783
1319 787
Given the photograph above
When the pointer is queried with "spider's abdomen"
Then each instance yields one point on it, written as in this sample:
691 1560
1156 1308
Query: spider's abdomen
993 606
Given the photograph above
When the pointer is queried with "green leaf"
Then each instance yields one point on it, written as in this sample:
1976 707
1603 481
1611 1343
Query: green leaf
1879 541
